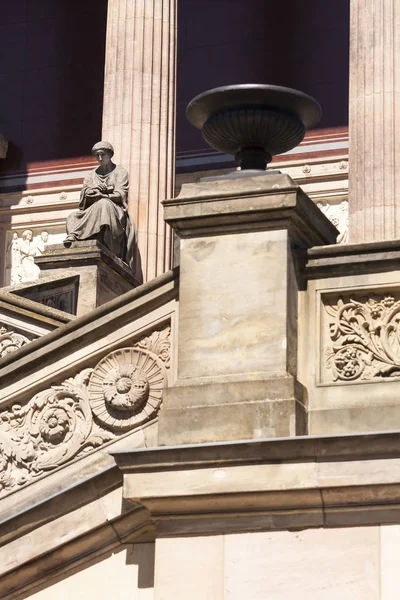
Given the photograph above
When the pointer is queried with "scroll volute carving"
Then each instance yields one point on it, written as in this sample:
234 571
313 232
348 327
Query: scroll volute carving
121 392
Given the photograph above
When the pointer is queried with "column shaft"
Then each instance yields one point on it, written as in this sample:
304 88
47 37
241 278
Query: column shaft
374 186
139 115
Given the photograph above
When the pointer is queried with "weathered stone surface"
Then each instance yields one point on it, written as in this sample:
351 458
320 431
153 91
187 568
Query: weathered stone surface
321 563
250 203
239 281
246 409
180 577
308 565
102 276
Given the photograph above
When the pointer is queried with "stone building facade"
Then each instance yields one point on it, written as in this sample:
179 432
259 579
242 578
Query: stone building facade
229 428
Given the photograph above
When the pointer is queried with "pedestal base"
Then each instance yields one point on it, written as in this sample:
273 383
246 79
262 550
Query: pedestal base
234 410
102 276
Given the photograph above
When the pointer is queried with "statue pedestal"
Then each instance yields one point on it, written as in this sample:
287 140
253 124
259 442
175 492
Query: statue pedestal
240 272
102 276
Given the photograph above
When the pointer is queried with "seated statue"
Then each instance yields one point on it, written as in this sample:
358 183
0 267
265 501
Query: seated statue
102 213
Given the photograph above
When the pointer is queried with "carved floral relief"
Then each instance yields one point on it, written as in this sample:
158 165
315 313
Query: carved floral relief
121 392
365 337
10 340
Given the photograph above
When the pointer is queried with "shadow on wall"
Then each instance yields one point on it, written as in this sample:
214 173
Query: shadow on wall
143 556
115 574
51 74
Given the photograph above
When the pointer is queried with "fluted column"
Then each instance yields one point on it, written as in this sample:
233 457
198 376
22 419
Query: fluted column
374 162
139 115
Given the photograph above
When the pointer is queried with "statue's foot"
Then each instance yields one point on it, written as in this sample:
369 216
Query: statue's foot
68 240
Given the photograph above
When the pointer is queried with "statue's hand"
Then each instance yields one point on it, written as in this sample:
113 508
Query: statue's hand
91 192
93 197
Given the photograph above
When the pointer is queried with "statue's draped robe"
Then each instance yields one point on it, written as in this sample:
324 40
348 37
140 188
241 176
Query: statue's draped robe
104 219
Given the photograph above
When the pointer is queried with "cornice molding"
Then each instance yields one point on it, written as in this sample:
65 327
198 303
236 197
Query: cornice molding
266 484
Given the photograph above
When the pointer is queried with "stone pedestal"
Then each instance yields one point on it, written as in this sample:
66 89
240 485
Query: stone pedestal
102 276
239 277
139 116
374 121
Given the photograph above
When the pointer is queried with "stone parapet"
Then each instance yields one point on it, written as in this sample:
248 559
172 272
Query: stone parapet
349 355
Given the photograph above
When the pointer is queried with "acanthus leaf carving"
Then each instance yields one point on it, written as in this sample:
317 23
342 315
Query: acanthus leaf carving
66 421
366 338
10 341
158 343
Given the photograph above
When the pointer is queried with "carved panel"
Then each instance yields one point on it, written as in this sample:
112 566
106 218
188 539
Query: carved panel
338 214
64 422
361 338
21 249
10 340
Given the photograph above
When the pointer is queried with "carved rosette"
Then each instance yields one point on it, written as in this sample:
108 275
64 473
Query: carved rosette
125 388
123 391
366 338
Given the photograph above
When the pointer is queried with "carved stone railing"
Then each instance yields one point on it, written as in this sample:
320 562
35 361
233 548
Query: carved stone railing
99 404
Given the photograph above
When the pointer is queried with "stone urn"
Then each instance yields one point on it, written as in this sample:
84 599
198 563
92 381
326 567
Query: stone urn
253 122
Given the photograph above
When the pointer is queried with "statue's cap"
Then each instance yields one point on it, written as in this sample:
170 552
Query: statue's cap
103 146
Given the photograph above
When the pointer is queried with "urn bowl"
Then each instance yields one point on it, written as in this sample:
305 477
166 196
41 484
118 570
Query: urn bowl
253 121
